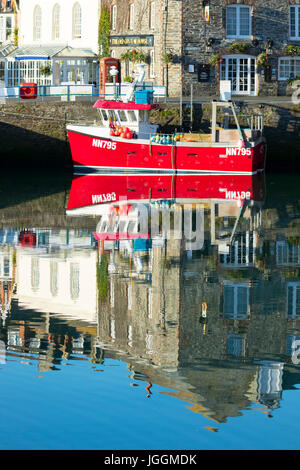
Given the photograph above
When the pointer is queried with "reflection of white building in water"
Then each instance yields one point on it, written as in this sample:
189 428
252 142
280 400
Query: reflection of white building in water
52 238
58 283
269 383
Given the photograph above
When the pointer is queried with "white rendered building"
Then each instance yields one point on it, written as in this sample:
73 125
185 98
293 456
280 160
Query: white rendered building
60 36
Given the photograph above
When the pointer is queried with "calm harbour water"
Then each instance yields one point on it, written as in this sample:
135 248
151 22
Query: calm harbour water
149 344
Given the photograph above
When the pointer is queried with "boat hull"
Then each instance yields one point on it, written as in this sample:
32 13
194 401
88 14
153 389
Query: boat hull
92 153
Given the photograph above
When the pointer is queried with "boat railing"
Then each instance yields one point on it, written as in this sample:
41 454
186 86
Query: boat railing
253 122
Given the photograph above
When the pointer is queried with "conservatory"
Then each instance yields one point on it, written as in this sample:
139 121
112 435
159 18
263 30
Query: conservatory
47 65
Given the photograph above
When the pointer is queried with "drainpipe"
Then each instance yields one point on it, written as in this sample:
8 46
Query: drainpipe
165 22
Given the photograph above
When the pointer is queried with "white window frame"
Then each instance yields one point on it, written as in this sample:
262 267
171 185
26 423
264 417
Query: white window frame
152 64
5 34
291 299
76 21
238 23
235 314
37 23
114 17
291 64
152 15
296 37
56 22
131 17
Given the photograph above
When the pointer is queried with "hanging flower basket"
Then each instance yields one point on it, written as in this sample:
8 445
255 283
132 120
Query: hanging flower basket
135 56
262 60
215 59
45 70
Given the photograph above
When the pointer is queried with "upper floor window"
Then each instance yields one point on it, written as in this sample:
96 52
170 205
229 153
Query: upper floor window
55 22
114 17
37 23
295 22
152 15
131 17
76 21
238 21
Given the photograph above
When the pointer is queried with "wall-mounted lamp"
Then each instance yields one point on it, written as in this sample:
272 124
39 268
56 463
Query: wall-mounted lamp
205 3
210 42
269 43
255 42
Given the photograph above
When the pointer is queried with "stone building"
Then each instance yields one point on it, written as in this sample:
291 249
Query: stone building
154 29
253 43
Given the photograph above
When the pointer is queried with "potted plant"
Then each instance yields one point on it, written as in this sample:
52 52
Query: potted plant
239 47
292 50
128 78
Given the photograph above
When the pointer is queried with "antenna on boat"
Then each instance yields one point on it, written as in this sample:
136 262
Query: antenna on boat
139 78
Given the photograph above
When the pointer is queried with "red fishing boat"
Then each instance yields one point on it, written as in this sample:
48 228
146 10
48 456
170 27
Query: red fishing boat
126 140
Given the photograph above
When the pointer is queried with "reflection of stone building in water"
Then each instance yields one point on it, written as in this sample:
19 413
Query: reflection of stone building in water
208 309
7 280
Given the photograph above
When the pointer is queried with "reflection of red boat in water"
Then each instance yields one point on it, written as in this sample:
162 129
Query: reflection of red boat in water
126 139
27 238
94 194
124 202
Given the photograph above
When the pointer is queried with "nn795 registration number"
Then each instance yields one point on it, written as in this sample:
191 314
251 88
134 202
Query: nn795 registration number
104 144
238 151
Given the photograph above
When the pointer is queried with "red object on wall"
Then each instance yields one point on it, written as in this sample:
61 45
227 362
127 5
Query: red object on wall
28 91
27 238
104 75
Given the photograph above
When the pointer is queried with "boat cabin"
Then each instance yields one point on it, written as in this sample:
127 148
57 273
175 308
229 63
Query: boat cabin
135 117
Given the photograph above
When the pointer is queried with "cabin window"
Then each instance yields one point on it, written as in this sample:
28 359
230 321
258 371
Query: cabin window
132 116
142 115
112 115
104 115
122 115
